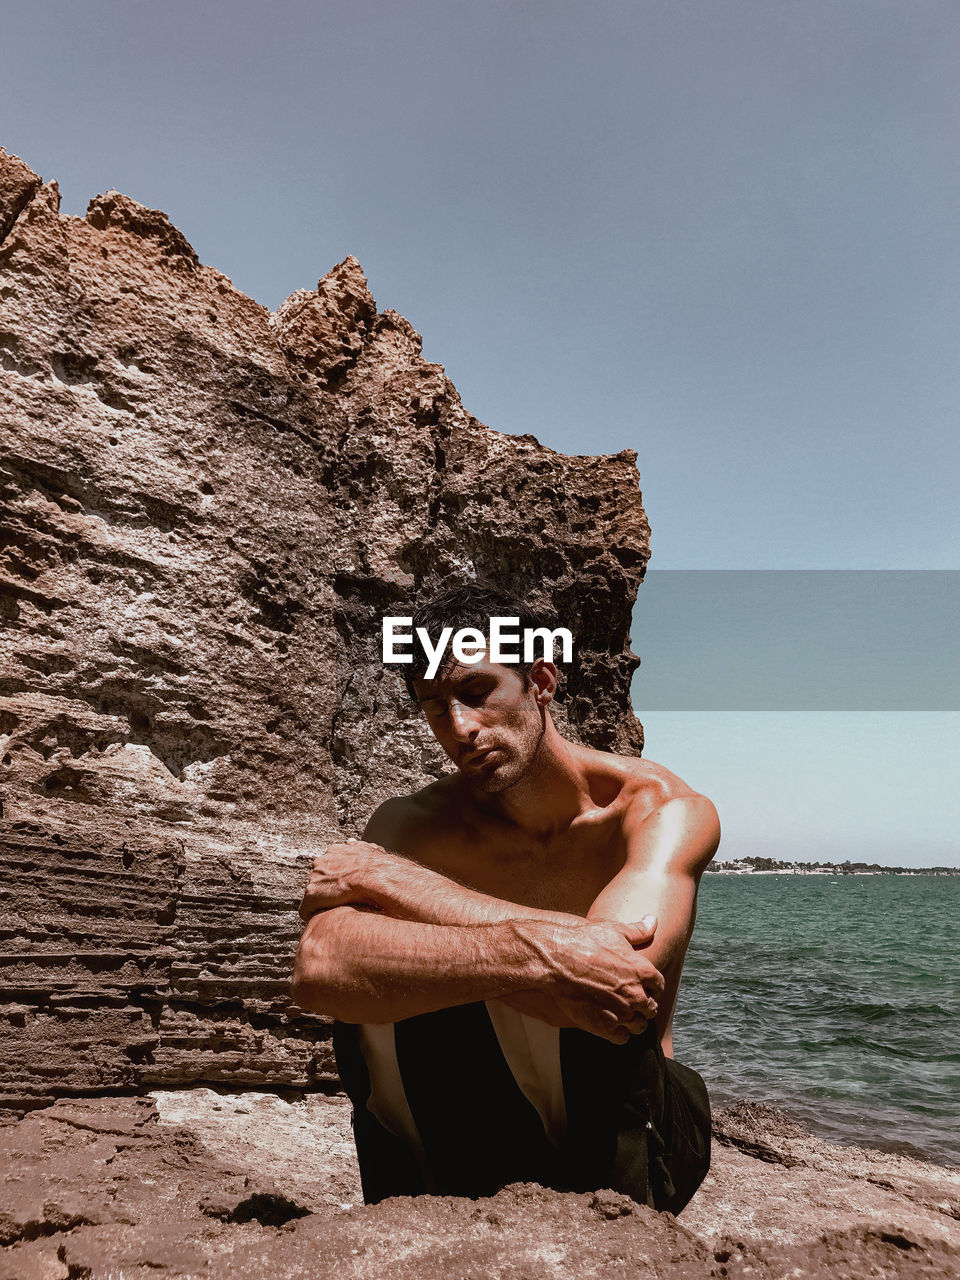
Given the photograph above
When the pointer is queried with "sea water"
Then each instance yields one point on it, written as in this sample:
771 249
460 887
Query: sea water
835 998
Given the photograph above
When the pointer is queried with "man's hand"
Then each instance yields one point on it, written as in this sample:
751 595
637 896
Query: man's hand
337 877
594 979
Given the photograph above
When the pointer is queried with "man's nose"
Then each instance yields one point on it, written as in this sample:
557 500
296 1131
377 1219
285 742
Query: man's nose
462 721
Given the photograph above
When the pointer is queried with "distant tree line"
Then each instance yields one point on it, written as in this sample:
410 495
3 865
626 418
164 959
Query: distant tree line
846 868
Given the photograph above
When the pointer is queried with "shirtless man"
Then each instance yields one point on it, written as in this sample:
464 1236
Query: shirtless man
502 950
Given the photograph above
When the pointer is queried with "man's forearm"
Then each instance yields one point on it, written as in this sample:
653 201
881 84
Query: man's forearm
365 874
409 891
364 966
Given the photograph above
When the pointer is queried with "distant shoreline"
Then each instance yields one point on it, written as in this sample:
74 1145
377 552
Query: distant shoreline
747 867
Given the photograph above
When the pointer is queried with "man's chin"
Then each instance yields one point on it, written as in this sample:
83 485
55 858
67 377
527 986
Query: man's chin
498 776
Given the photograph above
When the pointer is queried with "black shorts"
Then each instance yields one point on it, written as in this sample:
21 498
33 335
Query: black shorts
637 1122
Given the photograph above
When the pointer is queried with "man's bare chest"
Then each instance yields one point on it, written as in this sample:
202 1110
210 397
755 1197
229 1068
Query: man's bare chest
562 874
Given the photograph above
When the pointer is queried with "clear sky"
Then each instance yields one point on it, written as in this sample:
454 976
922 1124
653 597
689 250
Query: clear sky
721 233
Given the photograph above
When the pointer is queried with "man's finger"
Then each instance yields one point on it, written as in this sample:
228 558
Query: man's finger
618 1028
610 1028
648 979
642 1004
652 981
636 1025
639 932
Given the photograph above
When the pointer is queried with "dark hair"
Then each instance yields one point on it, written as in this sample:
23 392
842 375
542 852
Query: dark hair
471 603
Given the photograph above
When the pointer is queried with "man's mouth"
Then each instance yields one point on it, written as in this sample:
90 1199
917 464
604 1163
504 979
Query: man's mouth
475 757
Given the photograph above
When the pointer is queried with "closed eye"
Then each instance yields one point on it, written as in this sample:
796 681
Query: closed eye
475 694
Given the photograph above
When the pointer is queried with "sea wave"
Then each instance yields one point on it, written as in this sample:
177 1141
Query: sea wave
811 1001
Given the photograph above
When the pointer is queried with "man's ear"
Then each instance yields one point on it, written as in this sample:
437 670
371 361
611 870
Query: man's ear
543 676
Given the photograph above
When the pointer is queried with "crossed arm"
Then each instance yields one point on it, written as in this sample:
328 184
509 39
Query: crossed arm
387 938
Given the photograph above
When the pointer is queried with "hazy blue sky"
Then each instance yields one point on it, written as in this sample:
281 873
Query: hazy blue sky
720 233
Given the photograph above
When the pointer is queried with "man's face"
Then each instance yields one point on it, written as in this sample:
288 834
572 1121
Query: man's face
486 721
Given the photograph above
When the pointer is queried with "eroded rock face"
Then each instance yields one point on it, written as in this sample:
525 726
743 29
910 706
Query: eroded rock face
207 510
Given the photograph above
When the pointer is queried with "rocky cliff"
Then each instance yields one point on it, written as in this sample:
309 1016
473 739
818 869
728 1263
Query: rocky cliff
207 509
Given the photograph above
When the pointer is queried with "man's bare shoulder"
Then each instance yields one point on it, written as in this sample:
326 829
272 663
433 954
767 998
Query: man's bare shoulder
405 824
644 788
663 809
635 781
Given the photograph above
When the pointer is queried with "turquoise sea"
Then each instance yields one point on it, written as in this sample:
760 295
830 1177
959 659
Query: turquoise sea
835 998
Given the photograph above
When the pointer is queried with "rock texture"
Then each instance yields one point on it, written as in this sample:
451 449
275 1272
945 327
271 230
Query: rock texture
249 1185
207 509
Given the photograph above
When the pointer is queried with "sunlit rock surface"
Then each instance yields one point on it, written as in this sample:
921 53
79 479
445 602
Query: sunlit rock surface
207 510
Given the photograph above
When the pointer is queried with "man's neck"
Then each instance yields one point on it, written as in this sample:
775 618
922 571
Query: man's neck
550 795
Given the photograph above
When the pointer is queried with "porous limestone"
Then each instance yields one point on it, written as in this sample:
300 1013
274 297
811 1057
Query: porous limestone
208 509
